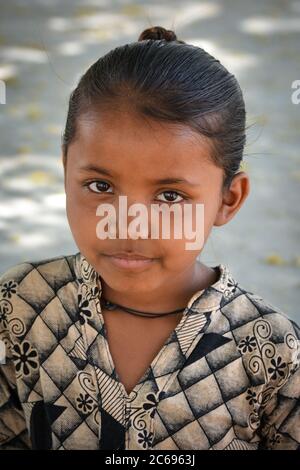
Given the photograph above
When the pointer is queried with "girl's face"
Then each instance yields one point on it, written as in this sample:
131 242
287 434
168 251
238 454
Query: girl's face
118 153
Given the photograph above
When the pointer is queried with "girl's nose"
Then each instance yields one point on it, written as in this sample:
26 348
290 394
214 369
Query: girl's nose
133 218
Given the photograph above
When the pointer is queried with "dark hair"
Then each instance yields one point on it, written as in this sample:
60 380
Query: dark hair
168 80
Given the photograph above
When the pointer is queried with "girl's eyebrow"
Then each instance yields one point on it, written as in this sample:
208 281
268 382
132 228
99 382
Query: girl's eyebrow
103 171
173 181
97 169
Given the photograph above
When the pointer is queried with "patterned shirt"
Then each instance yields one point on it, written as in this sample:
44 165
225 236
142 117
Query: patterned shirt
227 377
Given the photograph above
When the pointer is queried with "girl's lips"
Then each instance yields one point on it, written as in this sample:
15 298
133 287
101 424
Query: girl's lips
127 263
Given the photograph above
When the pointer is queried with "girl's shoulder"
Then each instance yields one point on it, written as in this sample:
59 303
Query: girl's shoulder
241 306
256 346
37 287
254 323
35 274
260 329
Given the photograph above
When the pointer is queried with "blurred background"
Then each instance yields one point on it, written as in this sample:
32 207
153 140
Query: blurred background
44 48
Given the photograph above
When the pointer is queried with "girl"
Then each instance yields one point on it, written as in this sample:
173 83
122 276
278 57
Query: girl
133 343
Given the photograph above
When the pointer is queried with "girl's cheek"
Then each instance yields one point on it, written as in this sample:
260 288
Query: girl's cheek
82 201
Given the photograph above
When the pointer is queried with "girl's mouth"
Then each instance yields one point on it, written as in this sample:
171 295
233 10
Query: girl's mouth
131 263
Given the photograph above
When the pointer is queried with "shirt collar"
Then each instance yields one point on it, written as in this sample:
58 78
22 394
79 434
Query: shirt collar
203 300
192 325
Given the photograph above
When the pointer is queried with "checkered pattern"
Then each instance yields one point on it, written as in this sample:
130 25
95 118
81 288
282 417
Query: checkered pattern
228 376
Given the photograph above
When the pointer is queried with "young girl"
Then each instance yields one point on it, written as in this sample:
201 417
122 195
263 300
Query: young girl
133 343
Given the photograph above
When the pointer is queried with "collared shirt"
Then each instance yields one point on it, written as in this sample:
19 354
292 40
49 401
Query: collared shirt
227 377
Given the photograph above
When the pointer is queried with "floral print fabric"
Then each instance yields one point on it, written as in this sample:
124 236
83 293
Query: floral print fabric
228 376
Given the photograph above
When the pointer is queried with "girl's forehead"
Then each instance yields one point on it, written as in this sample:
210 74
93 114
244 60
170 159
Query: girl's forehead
121 138
141 152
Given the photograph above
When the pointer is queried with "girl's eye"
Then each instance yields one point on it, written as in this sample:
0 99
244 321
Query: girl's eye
102 187
98 186
170 196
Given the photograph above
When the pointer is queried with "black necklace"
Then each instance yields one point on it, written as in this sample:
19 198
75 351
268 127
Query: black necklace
112 306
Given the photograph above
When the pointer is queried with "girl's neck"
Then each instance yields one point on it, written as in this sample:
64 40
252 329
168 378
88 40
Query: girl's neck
172 296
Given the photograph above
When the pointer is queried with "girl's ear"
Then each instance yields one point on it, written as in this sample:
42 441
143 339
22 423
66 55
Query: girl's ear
233 198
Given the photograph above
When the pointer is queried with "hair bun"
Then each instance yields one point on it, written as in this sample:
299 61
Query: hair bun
157 33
